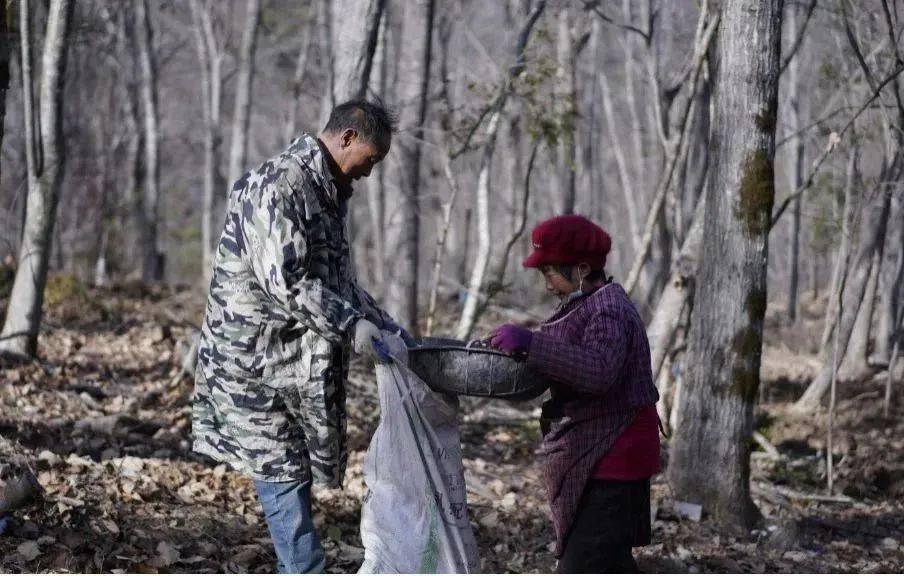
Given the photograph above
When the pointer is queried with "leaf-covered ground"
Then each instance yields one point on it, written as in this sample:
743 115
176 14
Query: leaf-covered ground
103 420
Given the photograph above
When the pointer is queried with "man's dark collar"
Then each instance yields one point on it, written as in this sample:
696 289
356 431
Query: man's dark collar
333 174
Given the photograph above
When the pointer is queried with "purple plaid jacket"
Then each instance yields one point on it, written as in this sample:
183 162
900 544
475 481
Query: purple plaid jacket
596 352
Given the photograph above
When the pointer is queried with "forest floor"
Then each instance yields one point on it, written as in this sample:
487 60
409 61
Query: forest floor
104 421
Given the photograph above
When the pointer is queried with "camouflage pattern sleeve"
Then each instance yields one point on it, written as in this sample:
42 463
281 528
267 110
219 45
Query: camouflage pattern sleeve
275 231
364 302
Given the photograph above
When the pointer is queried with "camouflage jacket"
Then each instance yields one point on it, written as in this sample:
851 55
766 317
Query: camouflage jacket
273 356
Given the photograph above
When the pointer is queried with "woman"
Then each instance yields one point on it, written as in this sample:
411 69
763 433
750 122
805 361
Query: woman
600 427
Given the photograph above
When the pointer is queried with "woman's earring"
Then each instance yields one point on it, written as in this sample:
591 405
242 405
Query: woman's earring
581 285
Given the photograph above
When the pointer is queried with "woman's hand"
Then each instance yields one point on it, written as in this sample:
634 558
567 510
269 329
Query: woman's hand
511 339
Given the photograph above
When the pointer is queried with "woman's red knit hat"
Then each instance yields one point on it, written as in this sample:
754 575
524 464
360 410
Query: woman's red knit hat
569 240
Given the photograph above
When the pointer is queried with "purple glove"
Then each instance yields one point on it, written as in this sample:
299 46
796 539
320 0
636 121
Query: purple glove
511 339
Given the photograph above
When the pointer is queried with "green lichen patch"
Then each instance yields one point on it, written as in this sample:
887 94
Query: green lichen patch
766 120
747 347
755 305
745 375
757 194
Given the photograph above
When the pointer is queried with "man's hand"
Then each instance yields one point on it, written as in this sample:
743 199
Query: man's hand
368 340
390 326
396 346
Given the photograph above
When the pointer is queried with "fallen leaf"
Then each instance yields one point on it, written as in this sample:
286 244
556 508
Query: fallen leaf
29 550
491 520
245 556
49 458
110 525
167 555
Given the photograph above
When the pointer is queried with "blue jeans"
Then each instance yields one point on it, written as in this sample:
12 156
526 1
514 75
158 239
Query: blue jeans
287 508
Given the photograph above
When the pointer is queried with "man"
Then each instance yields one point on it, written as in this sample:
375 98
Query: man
282 312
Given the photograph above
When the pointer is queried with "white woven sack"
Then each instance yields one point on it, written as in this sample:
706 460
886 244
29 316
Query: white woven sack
415 514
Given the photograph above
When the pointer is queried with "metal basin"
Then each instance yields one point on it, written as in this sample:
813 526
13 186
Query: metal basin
454 367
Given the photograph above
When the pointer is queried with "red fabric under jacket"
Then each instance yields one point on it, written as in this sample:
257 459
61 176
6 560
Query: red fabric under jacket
635 455
595 350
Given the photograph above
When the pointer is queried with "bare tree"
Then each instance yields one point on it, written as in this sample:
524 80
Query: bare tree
19 337
242 116
795 168
874 225
210 55
850 211
301 67
5 41
894 278
855 362
872 231
376 184
402 295
676 145
715 419
570 42
152 267
353 34
476 287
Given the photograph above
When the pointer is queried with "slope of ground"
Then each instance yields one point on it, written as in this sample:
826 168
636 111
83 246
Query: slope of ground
103 420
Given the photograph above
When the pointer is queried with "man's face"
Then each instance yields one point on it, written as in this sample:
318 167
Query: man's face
357 156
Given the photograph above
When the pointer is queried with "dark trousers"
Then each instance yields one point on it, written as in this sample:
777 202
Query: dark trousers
613 517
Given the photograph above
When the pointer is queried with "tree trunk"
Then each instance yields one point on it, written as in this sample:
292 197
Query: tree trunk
795 173
405 236
241 118
592 151
484 235
715 419
850 210
376 184
103 148
666 318
566 84
210 56
152 267
354 31
872 231
893 280
23 317
325 14
5 41
854 364
631 47
301 65
676 149
697 168
475 294
133 170
624 174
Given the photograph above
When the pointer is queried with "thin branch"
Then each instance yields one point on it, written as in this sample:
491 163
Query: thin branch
497 286
855 45
819 121
799 39
522 223
834 139
593 6
889 21
441 240
672 162
514 71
